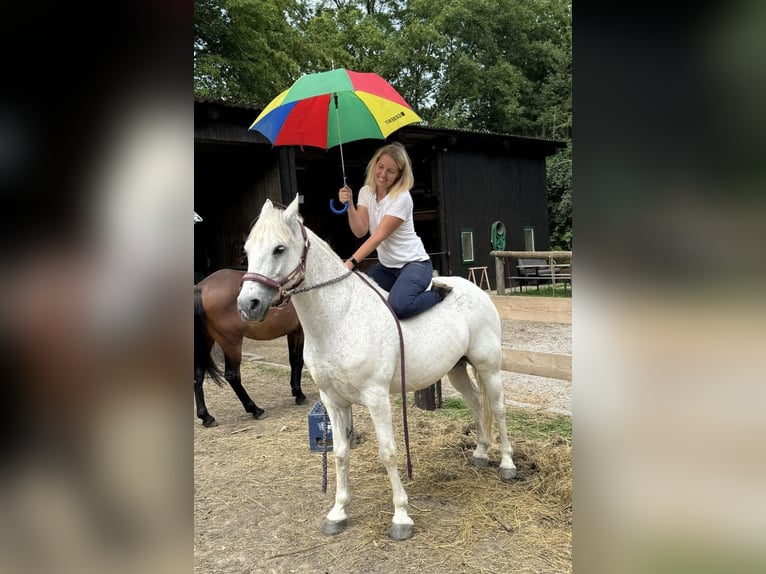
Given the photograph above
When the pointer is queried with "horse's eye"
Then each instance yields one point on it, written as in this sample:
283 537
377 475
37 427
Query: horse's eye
279 249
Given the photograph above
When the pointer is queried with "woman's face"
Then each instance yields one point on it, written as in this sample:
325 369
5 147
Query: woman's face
386 173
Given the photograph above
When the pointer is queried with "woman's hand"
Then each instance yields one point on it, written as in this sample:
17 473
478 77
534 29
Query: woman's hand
345 195
357 216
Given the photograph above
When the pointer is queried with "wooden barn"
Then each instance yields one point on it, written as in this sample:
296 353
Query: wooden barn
470 187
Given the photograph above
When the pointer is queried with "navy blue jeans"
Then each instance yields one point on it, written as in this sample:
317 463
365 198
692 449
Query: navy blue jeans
406 287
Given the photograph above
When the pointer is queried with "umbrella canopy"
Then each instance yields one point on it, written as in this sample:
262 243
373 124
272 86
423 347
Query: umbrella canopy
331 108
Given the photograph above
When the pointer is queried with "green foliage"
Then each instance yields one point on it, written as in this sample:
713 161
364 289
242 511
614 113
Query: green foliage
245 50
559 171
496 65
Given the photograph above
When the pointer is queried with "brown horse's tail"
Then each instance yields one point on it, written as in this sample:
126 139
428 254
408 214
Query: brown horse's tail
202 358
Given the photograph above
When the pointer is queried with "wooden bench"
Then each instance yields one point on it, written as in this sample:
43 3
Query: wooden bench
541 272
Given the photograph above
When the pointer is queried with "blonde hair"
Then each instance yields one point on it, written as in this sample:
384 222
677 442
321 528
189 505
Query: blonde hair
396 152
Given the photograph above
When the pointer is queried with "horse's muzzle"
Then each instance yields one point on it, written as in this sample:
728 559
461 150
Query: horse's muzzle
252 308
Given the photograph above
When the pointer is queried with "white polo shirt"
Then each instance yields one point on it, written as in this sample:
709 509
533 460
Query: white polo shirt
403 245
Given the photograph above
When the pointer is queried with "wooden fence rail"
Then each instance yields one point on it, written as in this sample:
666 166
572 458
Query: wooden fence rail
547 365
544 310
550 365
540 309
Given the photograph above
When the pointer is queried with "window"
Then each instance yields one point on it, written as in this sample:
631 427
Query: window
466 245
529 239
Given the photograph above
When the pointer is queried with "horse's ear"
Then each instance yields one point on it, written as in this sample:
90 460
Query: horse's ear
292 210
267 206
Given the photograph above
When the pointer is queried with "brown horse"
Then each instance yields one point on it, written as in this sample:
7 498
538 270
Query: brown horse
216 320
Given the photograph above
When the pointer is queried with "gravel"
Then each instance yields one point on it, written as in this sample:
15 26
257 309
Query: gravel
528 391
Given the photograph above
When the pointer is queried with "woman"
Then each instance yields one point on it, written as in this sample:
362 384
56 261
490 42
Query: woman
384 210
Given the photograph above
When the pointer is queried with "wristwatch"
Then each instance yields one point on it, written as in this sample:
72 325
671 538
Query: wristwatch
354 262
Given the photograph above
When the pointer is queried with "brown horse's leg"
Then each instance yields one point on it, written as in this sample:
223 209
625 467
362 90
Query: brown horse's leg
199 397
203 362
232 375
295 346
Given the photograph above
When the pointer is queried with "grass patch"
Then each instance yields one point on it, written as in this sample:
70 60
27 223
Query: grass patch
531 424
544 291
269 370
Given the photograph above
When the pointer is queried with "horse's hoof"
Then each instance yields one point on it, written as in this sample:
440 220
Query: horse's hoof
211 422
507 474
332 528
258 412
300 399
401 532
480 462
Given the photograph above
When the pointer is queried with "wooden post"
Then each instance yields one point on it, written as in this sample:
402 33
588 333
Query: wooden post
429 399
500 275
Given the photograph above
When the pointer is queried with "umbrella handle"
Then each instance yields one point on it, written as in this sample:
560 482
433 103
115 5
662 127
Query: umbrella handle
338 211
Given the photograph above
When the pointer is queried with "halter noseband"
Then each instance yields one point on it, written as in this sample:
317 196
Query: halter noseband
299 271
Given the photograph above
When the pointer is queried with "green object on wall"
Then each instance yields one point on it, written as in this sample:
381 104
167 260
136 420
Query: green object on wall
498 236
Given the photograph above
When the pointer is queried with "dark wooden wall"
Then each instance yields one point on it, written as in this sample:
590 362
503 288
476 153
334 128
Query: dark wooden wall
462 180
231 183
479 188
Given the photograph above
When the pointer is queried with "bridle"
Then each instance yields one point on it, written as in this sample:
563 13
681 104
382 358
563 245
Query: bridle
299 271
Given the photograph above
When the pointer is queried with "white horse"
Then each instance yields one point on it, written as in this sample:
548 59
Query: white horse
352 346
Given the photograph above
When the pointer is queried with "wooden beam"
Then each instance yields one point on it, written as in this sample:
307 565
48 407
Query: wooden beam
542 309
539 364
533 254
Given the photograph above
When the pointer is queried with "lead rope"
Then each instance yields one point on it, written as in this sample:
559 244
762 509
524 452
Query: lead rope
324 449
404 391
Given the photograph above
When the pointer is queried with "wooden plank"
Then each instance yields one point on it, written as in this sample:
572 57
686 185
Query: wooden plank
539 364
542 309
533 254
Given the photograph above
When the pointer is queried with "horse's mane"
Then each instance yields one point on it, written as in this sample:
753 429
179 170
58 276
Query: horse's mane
271 223
317 241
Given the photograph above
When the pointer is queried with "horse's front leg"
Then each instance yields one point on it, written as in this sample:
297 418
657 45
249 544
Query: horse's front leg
340 418
402 525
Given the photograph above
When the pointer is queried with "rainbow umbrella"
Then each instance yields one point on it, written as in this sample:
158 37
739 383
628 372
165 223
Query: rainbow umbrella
328 109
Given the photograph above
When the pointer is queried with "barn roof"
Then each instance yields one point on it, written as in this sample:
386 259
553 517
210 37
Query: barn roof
220 120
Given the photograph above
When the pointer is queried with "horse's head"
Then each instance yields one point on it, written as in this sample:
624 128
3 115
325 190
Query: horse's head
276 259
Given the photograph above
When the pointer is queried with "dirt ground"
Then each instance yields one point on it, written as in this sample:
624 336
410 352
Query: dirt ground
259 503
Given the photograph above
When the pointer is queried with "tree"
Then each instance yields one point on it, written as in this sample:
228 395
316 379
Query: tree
244 49
497 65
559 169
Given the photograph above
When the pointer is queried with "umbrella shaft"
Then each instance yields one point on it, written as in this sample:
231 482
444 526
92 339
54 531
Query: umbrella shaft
340 140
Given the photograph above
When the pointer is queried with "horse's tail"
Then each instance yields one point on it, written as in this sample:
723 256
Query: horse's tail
487 416
202 357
